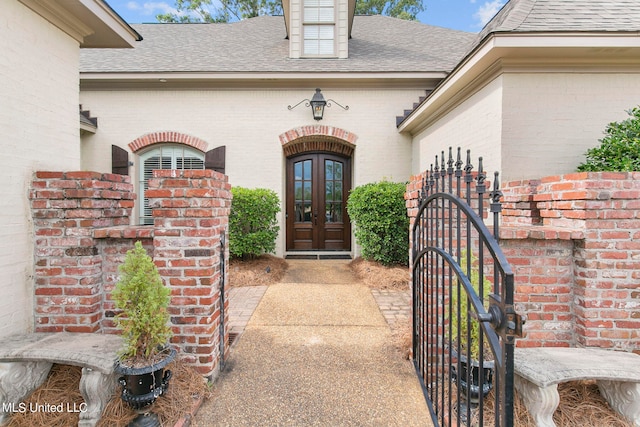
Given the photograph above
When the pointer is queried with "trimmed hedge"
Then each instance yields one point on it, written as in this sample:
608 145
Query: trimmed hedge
619 150
252 222
381 222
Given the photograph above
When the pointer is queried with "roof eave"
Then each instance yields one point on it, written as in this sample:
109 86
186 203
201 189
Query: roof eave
497 47
175 80
93 23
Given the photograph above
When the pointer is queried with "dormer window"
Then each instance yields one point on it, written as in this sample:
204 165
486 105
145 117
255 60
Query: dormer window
319 28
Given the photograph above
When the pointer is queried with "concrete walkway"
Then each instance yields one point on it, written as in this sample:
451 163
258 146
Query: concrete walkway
316 352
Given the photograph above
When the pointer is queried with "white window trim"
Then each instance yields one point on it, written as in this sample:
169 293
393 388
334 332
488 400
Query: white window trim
306 23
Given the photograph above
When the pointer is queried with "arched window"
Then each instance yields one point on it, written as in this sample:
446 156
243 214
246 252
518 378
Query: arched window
166 156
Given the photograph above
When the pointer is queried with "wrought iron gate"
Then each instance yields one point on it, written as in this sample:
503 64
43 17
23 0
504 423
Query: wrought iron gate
223 297
462 299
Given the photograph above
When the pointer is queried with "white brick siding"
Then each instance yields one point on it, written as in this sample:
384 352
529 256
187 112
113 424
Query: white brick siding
39 131
249 122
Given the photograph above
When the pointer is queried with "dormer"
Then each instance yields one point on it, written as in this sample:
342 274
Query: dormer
319 28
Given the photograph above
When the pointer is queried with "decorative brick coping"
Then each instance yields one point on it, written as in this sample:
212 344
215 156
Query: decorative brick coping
536 232
124 232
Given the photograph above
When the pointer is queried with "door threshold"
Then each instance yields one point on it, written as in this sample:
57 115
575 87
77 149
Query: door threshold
317 255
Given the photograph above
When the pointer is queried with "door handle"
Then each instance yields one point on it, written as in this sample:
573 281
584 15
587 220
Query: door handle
315 217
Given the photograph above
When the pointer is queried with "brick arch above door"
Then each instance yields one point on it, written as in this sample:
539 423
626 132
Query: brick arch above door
167 137
318 138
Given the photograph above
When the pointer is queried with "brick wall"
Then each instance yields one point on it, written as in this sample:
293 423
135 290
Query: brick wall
191 210
82 235
597 285
66 208
574 244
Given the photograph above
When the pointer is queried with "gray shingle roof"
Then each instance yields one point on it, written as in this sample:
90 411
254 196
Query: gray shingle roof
378 44
565 16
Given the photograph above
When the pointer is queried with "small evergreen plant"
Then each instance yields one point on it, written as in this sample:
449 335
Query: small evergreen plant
619 150
381 222
143 299
468 328
253 225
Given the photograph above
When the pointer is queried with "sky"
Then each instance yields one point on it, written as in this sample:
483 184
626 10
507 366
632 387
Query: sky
464 15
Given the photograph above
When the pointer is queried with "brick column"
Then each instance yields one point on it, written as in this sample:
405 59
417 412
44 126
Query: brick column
66 207
574 244
190 210
598 214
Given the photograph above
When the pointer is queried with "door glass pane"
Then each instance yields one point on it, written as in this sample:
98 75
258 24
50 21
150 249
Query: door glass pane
333 212
328 170
297 171
333 171
298 191
329 191
307 170
302 190
338 171
299 212
337 212
307 190
307 212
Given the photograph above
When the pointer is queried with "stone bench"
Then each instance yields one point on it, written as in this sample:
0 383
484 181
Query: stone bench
538 371
25 361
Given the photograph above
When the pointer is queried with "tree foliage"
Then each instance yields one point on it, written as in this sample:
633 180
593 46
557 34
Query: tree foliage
619 150
403 9
235 10
381 222
222 11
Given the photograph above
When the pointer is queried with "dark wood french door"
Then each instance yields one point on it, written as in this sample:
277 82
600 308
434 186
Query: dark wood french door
318 185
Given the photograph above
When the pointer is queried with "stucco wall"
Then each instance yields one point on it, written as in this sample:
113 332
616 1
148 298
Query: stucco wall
551 119
39 131
249 122
474 124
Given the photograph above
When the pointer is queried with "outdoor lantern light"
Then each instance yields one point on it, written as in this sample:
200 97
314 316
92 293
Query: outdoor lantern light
317 104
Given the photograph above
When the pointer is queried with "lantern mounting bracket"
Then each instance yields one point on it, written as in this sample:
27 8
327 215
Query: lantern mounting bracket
317 104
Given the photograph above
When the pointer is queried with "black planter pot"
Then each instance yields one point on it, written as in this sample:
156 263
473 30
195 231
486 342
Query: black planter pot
142 386
471 370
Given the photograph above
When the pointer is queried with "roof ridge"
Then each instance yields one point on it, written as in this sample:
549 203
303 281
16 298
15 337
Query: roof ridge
521 11
511 16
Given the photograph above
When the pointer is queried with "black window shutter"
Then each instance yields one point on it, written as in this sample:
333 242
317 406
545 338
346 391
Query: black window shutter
119 161
214 159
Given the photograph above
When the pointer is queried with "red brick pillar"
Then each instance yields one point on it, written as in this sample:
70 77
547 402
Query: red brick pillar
66 207
592 283
191 210
411 198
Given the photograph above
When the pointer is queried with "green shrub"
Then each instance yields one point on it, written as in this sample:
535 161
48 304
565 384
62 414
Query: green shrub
252 222
619 149
381 223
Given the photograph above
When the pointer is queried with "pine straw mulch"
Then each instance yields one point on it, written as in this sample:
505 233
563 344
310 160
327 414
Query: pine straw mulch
378 276
62 387
263 270
581 404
